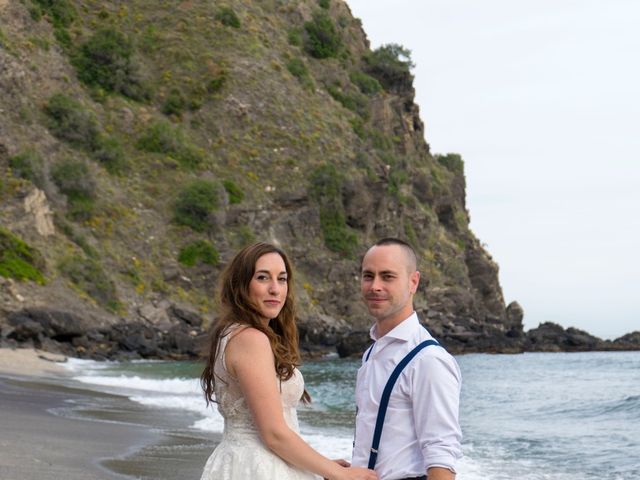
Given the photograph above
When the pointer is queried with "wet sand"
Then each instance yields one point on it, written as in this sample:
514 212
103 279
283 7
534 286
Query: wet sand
51 429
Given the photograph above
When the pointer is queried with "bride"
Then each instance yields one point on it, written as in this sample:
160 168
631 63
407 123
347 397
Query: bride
251 374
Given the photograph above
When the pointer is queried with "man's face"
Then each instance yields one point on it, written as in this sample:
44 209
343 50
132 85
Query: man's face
388 281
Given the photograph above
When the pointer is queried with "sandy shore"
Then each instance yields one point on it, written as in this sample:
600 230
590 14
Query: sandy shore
52 429
26 361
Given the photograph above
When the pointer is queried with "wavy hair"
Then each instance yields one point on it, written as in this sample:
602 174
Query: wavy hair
238 308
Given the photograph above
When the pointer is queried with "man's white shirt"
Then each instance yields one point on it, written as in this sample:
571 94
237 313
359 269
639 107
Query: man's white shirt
421 427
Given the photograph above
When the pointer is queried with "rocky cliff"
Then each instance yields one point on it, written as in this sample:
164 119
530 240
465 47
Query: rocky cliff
143 143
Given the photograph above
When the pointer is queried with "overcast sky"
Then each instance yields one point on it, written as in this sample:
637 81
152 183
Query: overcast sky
542 99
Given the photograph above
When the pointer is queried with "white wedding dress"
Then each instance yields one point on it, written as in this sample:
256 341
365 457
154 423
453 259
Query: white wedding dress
241 455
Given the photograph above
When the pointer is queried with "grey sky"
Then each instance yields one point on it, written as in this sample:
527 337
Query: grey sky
542 100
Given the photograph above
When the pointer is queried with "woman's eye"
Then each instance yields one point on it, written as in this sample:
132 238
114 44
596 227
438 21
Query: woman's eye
282 280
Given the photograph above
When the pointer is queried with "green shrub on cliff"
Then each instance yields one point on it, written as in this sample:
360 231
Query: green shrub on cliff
70 121
195 203
74 179
30 166
294 37
298 69
326 190
451 161
110 154
355 102
391 65
234 191
175 103
199 251
18 260
4 43
366 83
162 137
61 12
87 275
228 17
323 39
105 60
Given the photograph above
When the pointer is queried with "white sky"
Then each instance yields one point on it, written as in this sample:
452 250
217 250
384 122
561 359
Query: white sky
542 99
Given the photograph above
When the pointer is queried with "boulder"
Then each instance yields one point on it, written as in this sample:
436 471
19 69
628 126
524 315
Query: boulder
515 315
178 314
629 340
353 344
551 337
41 322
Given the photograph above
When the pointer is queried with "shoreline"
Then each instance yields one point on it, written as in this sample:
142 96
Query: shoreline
54 427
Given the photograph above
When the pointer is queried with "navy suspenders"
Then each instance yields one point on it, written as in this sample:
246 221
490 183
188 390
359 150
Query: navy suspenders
386 394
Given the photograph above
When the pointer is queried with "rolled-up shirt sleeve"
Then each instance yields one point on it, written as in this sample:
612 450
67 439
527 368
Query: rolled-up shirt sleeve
436 381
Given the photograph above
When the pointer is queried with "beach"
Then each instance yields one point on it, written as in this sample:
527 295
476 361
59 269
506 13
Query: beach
50 429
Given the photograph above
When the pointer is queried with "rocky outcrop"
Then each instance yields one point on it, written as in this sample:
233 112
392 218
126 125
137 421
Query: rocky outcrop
36 204
547 337
354 344
179 336
631 340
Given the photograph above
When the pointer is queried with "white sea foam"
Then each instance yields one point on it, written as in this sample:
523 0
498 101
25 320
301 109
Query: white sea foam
174 393
330 444
213 422
80 365
135 382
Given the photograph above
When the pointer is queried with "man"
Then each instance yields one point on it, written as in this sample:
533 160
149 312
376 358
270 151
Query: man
421 434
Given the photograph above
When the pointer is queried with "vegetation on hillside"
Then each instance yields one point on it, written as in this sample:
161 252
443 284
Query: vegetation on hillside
19 260
175 134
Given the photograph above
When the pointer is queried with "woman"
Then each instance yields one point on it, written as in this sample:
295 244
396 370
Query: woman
251 372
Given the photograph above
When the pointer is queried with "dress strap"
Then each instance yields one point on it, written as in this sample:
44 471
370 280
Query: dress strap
229 333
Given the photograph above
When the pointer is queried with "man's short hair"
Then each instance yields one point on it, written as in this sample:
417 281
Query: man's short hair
411 253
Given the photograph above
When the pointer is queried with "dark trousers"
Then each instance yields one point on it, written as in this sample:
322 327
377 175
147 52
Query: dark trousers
423 477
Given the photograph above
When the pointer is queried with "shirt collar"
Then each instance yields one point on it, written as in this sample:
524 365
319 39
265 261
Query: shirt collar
402 331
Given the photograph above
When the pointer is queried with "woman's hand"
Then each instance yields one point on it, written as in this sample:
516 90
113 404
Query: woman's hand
356 473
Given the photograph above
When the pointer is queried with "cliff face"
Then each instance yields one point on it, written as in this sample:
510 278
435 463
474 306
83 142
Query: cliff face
141 145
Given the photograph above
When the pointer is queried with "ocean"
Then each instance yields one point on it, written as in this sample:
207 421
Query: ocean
534 416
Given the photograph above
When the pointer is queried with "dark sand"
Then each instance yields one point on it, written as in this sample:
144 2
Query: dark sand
50 430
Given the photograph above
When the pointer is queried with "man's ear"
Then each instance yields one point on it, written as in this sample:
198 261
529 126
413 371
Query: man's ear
414 281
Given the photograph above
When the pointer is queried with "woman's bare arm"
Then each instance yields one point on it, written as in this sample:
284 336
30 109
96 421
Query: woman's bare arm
250 360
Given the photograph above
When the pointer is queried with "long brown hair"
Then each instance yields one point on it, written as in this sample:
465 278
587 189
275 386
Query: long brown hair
237 308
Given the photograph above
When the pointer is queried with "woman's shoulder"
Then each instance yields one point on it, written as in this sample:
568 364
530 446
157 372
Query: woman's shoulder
248 337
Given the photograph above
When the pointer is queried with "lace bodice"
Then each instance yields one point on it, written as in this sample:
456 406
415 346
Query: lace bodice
241 455
232 404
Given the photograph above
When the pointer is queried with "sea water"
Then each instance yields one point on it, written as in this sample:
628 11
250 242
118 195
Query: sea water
534 416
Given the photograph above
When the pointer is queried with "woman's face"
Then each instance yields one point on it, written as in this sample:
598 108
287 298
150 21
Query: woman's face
268 287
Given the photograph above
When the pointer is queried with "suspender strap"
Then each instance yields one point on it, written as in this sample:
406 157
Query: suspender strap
386 394
369 352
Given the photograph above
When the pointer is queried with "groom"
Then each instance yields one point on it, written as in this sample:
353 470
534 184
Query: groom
419 435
